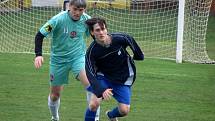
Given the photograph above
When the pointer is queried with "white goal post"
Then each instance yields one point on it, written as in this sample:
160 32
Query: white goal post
165 29
180 30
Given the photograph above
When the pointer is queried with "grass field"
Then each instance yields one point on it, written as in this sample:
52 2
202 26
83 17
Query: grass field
164 91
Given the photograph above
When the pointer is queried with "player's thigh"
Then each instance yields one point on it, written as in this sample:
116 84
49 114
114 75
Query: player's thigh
77 65
78 70
122 93
59 74
103 81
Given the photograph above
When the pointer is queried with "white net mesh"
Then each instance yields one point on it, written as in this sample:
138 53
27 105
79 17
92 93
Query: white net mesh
20 20
196 18
153 23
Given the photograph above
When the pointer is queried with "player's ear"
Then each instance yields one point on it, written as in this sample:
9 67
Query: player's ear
91 33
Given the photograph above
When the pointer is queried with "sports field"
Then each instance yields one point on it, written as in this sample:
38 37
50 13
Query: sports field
163 91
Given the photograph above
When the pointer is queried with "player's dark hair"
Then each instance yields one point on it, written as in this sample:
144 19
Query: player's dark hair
78 3
96 20
64 4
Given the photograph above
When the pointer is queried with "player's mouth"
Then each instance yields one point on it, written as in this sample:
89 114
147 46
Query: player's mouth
76 17
102 37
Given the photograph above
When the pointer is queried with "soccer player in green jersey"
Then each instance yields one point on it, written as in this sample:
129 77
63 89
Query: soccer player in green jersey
67 30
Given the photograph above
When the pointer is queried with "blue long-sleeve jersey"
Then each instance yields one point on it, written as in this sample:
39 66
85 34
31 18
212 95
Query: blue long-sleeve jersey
114 62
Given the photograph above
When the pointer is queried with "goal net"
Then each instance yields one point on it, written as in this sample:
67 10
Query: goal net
195 27
153 24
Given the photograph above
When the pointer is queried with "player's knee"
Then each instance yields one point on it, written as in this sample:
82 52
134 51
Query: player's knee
124 110
93 106
55 96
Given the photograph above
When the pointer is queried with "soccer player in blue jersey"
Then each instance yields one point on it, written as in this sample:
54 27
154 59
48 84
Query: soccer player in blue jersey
110 69
67 30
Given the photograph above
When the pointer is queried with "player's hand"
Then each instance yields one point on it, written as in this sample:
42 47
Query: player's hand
107 94
38 61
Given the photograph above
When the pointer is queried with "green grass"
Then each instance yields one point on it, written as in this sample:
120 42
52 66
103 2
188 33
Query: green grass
163 91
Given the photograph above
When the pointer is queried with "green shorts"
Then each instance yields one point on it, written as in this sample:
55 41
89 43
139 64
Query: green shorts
59 73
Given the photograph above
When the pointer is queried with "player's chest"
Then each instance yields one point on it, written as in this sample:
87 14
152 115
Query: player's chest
73 30
110 52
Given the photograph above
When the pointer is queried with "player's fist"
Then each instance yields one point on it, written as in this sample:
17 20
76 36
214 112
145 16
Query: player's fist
38 61
107 94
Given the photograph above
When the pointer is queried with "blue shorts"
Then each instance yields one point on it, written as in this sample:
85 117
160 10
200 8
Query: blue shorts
59 73
122 93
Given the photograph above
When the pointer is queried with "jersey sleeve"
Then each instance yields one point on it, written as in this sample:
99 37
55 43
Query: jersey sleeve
49 26
90 68
138 54
38 44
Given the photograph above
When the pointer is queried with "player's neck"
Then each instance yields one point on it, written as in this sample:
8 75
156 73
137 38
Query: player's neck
107 41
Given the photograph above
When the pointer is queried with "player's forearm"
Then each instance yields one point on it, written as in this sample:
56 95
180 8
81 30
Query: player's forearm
138 54
96 85
38 43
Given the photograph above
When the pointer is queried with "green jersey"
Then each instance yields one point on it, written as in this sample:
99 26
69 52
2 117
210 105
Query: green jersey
67 35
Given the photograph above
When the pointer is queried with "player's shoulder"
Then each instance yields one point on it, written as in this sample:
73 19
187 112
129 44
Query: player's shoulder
92 46
120 37
85 16
119 34
60 15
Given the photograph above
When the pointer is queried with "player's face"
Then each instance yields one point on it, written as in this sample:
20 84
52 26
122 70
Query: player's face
76 12
100 33
67 6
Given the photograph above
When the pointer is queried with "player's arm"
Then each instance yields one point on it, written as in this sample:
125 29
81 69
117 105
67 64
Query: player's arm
138 54
107 94
90 68
38 49
44 31
38 43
